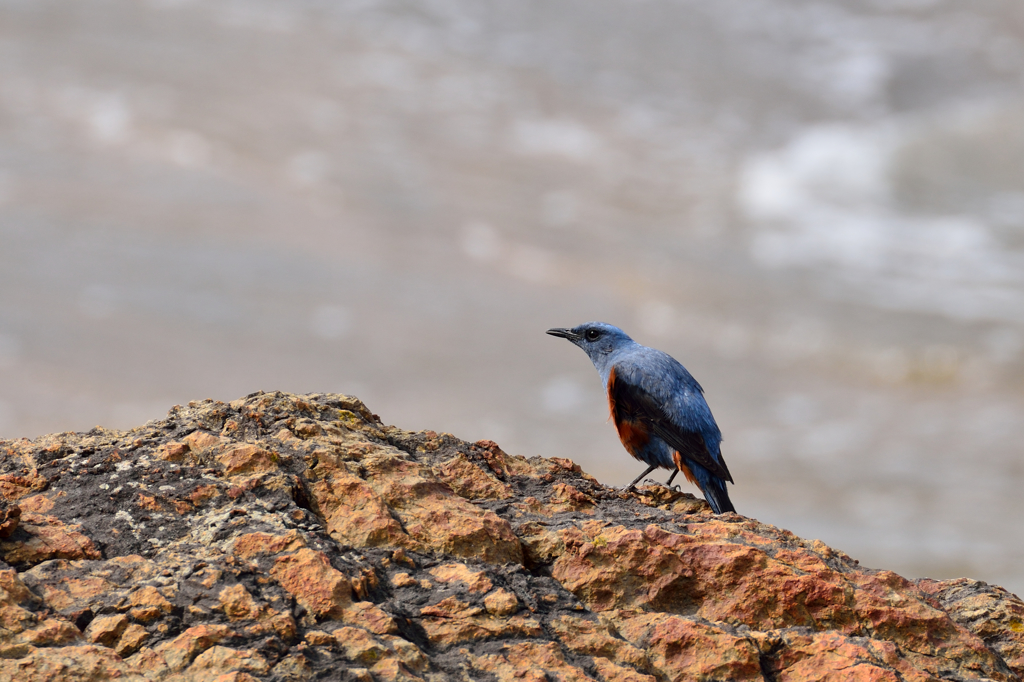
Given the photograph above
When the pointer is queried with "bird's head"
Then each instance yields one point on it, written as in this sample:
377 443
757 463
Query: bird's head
597 339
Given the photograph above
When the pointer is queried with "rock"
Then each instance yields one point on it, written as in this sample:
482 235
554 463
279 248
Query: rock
596 637
527 661
451 621
79 663
247 459
173 452
40 537
16 486
682 648
237 603
179 652
134 636
501 602
475 581
10 515
359 645
284 537
309 577
106 630
470 481
988 611
252 545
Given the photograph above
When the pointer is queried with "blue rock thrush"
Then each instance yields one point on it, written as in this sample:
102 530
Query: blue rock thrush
658 409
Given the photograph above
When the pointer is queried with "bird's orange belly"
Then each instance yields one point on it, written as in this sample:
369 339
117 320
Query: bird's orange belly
633 436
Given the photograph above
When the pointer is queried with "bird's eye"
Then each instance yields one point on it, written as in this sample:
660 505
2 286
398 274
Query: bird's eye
592 335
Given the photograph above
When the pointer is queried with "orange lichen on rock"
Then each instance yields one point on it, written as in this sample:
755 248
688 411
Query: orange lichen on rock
47 538
247 459
527 661
598 638
475 581
10 517
470 481
15 486
309 577
255 544
285 538
681 648
356 514
451 621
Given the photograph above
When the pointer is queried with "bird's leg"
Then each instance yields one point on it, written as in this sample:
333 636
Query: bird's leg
668 483
637 479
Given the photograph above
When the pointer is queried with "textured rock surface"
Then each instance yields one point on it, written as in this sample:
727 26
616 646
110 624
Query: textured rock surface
284 537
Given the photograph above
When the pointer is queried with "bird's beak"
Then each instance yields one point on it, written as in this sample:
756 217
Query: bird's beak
563 333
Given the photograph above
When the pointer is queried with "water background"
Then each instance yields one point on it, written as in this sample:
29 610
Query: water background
818 207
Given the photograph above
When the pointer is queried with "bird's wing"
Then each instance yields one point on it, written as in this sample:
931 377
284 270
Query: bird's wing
632 402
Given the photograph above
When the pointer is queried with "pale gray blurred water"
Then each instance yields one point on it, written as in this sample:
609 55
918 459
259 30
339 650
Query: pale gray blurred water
818 207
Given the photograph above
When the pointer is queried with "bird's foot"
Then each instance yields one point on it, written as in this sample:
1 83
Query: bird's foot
633 489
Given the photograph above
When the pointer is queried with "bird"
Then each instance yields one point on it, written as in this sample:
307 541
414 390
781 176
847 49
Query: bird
658 409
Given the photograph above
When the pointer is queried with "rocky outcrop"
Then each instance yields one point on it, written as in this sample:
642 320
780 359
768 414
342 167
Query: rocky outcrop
284 537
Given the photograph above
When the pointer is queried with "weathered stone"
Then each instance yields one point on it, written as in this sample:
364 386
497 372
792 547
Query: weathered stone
183 649
173 452
988 611
255 544
612 672
272 622
541 545
41 537
470 481
52 632
501 602
408 653
134 636
293 668
359 645
832 657
362 511
370 617
527 661
15 486
476 581
247 459
356 515
221 660
683 649
599 638
10 516
337 546
150 597
202 441
237 603
500 462
106 630
319 638
451 621
79 663
403 580
565 497
309 577
392 670
37 504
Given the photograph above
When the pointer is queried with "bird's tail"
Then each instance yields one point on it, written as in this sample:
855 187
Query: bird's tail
718 497
713 488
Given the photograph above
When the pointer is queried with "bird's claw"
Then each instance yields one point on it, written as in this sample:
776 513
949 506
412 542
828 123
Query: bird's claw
634 489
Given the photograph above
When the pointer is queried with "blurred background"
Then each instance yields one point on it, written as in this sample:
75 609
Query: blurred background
818 207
